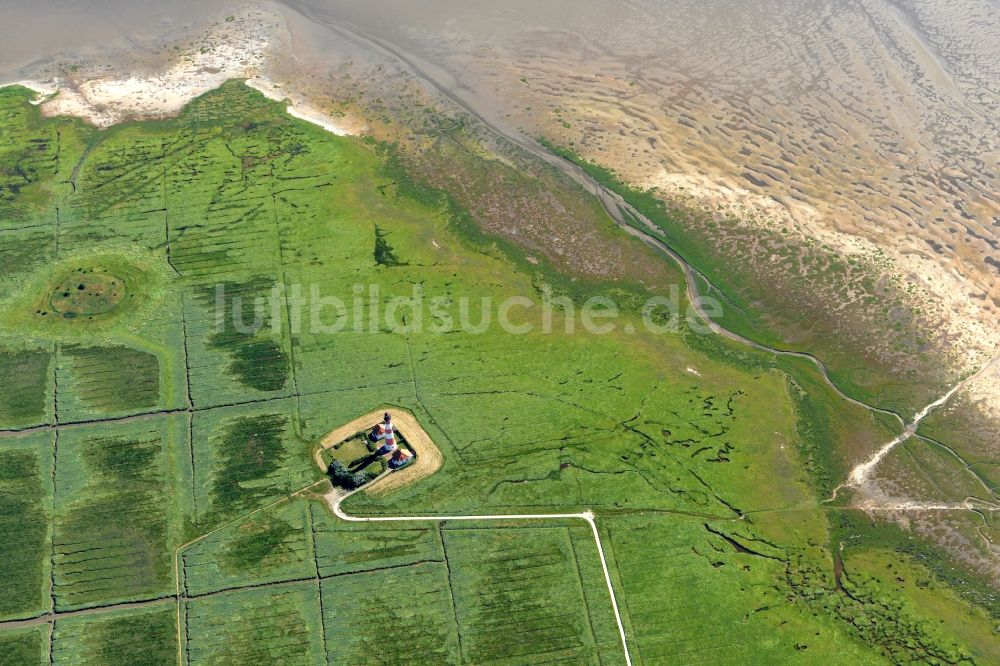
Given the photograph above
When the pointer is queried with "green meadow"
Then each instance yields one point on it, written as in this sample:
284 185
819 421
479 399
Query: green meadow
143 427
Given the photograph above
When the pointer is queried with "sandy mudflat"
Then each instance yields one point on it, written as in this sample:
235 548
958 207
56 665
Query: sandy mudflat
872 129
869 128
239 45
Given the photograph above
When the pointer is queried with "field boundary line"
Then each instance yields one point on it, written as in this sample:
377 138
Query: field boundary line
234 521
50 617
335 499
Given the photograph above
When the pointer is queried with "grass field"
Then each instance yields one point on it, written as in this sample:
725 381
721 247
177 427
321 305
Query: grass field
122 638
25 492
24 646
23 399
140 427
117 511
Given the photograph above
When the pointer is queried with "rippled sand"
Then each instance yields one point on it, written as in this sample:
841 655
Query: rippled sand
869 127
877 120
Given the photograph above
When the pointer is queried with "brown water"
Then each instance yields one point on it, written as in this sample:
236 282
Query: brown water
868 123
875 119
880 120
33 31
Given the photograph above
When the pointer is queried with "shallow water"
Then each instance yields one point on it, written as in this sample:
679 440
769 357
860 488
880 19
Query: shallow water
865 119
876 120
37 30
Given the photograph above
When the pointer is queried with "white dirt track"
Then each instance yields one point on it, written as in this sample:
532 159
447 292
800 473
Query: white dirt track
430 458
336 497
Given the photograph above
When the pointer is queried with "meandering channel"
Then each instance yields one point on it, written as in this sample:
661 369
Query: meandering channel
619 210
616 207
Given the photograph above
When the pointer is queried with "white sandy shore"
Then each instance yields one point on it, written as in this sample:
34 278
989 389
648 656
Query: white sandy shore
298 108
237 48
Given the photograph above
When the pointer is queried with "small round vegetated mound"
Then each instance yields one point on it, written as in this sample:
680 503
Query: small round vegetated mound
88 291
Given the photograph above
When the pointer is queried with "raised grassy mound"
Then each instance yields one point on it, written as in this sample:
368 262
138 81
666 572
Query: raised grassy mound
88 292
93 290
